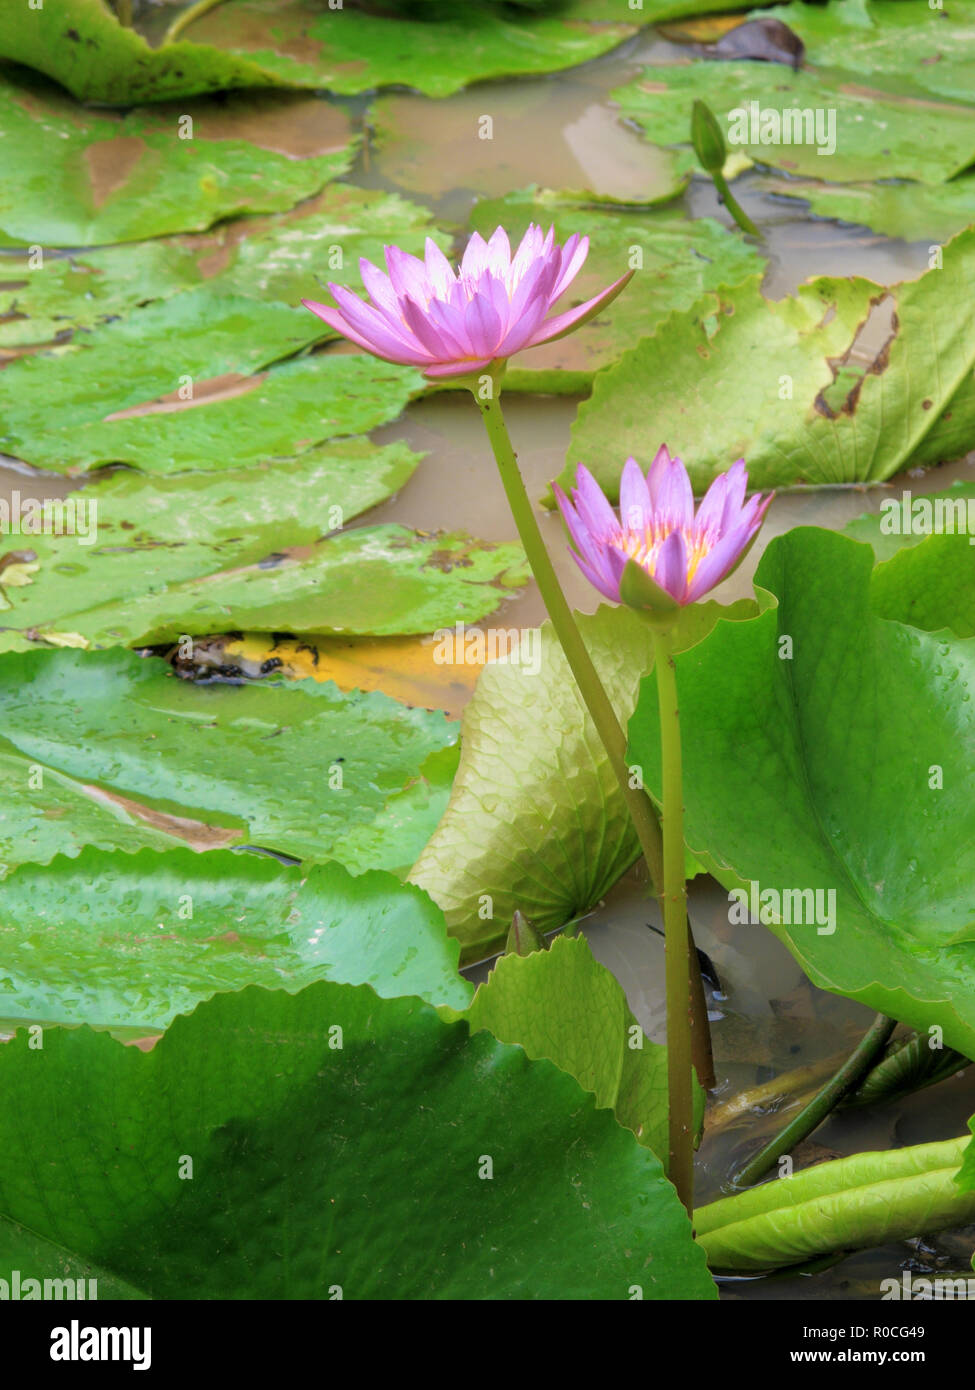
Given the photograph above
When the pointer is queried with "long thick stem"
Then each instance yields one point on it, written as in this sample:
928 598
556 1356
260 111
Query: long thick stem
812 1116
644 820
679 1082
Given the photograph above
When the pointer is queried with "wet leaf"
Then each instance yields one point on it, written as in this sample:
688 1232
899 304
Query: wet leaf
536 820
253 1088
162 932
247 548
292 256
299 768
563 1005
891 834
259 419
911 47
848 1204
785 385
280 259
165 349
38 303
877 130
306 45
74 177
681 258
82 45
914 211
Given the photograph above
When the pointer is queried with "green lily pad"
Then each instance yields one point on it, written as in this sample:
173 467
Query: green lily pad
678 259
907 519
562 1004
913 211
165 931
238 549
536 820
82 45
853 739
42 301
307 45
282 1107
912 47
294 767
168 347
74 177
280 259
777 382
930 585
267 417
292 256
877 131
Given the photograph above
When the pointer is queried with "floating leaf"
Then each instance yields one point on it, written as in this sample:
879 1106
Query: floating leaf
162 932
243 548
563 1005
680 258
249 421
297 768
290 1140
74 177
785 385
911 47
280 259
82 45
164 350
306 45
39 302
853 739
914 211
876 130
536 820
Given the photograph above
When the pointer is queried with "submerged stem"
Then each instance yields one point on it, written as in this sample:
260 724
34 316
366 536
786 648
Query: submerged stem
188 17
734 207
679 1080
812 1115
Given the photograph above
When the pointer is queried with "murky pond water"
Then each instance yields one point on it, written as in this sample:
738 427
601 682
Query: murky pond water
563 132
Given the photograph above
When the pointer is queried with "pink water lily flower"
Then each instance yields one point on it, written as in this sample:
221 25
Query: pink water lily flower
683 553
452 324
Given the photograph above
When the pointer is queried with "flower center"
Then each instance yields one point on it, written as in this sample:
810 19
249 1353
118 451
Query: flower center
644 545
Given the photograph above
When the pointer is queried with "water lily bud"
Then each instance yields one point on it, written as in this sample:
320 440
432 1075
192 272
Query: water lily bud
707 139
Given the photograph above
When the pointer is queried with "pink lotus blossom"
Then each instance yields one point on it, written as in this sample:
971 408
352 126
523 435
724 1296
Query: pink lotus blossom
683 553
425 315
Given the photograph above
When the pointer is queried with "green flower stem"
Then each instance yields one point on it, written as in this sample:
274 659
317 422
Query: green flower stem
188 17
811 1116
576 653
731 203
679 1077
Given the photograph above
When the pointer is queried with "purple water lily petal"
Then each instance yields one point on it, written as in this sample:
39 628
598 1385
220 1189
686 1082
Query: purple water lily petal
636 511
423 313
684 554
